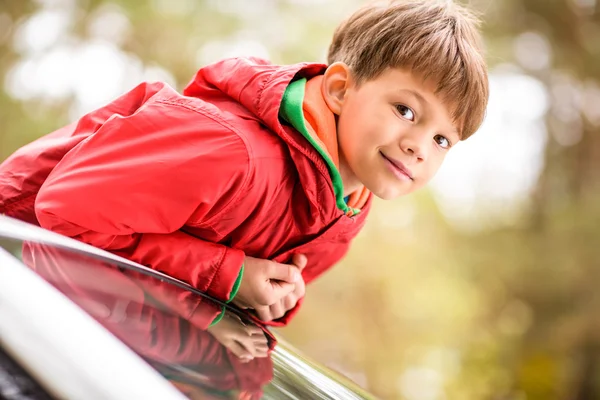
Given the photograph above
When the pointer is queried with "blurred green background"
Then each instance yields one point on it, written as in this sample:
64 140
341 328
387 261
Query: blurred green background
483 285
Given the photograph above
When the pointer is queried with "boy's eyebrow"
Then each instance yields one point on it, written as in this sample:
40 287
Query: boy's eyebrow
421 100
416 95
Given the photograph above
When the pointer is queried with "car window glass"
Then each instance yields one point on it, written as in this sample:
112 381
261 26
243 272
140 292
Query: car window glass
165 324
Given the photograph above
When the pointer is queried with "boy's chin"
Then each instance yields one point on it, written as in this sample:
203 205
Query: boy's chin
390 193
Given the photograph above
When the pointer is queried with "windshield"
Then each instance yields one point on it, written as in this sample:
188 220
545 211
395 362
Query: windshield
167 325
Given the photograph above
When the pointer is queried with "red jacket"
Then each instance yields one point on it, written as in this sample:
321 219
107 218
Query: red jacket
188 185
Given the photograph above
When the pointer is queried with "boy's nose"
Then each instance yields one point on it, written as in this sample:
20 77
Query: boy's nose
415 147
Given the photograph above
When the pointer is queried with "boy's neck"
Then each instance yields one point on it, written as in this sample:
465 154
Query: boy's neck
349 180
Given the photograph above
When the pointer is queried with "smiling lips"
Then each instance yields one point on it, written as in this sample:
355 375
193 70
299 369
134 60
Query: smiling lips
398 168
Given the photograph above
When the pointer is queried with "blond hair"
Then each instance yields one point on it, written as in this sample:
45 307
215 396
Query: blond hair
436 39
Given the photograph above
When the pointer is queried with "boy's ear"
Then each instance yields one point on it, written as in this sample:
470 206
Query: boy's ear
336 81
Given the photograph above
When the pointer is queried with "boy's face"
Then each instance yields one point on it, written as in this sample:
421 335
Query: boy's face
393 131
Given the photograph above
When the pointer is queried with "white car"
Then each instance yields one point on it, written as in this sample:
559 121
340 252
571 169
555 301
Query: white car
77 322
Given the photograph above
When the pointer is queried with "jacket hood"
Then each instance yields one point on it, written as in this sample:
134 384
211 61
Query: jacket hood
259 86
255 83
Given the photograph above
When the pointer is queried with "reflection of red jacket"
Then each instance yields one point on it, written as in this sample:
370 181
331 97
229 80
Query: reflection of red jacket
151 317
188 185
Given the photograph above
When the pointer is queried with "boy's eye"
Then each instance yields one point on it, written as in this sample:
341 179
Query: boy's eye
442 141
406 112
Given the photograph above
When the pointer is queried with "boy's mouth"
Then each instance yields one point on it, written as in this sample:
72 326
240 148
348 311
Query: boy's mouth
399 169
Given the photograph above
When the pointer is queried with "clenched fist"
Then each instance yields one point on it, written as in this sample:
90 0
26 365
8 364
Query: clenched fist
265 283
279 308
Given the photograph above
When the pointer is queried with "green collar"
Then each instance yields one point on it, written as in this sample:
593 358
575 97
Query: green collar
291 111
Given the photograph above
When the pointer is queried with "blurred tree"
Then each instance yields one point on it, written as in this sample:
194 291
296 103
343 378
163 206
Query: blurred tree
418 310
564 230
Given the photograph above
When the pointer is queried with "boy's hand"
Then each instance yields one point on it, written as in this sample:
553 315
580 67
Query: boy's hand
265 283
278 310
245 341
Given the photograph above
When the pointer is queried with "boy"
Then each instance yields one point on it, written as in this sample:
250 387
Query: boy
260 172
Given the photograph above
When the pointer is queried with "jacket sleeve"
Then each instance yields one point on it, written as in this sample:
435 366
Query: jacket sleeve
133 184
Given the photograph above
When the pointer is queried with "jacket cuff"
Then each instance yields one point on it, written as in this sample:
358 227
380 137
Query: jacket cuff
206 313
218 317
226 275
236 287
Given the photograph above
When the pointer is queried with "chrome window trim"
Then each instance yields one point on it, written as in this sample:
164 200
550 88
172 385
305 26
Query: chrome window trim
14 229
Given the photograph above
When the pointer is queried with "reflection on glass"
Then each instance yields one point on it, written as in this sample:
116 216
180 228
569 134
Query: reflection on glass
165 324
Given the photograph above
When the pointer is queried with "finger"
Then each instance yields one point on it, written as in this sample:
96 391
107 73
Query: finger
289 302
264 313
261 347
300 261
236 329
300 290
240 351
258 334
242 332
277 310
254 331
259 341
283 272
262 352
250 346
280 290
